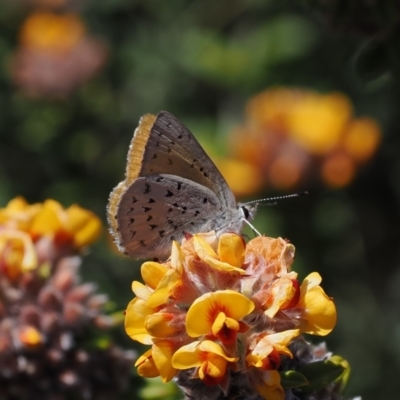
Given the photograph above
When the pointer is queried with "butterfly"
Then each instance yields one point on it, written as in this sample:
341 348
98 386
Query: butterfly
171 188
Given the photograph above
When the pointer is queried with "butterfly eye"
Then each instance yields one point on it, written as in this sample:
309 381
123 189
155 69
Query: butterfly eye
246 212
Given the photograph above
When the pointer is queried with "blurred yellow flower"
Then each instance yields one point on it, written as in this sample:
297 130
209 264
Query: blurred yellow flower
73 225
317 121
362 138
18 214
51 32
17 253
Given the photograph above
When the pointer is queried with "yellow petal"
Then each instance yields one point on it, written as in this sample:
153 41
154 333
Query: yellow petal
271 389
152 273
202 248
168 283
221 322
280 340
214 366
159 325
140 290
280 293
162 355
135 317
319 308
146 366
205 309
177 257
208 255
187 356
231 248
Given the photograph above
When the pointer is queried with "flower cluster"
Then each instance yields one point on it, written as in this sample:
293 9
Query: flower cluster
226 318
47 317
55 54
292 134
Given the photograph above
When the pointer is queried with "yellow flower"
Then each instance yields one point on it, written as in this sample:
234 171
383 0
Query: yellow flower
266 345
219 314
208 356
168 282
317 121
270 388
229 256
320 310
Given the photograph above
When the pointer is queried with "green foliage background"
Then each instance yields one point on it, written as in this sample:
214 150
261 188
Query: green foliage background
202 60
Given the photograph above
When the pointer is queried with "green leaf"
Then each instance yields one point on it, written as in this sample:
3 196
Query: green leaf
320 374
293 379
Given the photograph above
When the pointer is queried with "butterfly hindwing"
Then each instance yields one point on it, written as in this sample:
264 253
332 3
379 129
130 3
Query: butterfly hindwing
155 210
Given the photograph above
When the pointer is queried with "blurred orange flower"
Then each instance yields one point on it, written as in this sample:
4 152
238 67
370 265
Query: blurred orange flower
291 133
55 54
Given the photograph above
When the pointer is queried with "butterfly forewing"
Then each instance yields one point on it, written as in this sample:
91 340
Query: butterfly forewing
172 149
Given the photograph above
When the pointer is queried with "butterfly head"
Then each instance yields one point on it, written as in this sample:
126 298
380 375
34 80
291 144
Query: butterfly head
248 211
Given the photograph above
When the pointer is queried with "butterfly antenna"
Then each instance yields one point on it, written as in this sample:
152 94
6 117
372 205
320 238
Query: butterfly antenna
252 227
274 199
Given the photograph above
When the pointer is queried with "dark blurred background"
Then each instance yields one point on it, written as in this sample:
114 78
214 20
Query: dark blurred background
285 95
